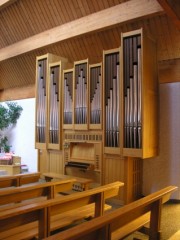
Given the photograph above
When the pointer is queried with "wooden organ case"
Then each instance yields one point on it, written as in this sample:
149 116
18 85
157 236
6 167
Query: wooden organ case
139 95
108 113
48 101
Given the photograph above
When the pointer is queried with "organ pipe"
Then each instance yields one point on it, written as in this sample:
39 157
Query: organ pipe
132 92
81 92
68 97
54 105
112 100
95 94
41 101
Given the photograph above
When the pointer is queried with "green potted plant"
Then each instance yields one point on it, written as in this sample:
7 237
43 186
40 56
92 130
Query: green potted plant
9 114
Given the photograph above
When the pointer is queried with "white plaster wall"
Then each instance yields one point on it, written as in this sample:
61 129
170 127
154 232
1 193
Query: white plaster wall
164 170
22 135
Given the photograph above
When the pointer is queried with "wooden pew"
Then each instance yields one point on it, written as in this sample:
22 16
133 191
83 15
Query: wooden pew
122 222
35 190
19 179
84 182
39 219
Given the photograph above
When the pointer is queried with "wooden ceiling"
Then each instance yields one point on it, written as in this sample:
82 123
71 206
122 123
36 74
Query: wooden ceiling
72 29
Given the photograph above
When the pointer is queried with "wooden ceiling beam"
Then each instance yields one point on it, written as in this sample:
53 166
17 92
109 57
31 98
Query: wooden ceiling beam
172 9
17 93
6 3
112 16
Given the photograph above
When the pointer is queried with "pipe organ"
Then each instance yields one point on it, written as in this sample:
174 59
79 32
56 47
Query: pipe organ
103 114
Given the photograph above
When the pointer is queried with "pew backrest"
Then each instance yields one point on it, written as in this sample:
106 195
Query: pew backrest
103 227
29 178
35 190
8 181
19 179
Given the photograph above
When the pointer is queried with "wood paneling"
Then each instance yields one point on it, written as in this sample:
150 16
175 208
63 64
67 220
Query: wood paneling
94 22
56 163
172 8
43 161
113 170
50 161
24 19
169 71
127 170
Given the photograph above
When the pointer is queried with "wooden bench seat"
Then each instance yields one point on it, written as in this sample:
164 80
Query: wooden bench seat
131 227
19 179
123 221
56 213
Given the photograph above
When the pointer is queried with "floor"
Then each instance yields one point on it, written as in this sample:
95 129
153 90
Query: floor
170 224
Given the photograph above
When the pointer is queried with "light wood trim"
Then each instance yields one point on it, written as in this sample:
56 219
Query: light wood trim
17 93
169 71
172 8
106 18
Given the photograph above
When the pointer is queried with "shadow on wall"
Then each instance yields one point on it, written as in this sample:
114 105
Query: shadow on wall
164 169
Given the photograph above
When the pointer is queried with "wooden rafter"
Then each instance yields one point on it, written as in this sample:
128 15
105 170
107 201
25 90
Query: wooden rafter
5 3
172 9
118 14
